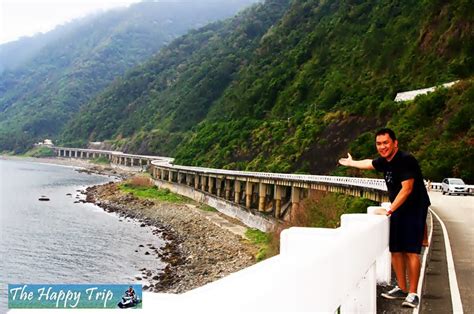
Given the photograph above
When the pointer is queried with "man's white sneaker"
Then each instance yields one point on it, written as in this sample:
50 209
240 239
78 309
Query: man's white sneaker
412 300
395 293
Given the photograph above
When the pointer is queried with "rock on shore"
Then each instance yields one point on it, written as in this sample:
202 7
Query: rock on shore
196 250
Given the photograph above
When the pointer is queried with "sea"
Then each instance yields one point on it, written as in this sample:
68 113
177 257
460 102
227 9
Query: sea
63 241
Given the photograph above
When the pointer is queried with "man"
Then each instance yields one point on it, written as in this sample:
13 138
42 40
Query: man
409 206
131 293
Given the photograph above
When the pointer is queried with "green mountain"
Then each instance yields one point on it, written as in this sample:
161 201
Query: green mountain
155 105
291 86
41 90
326 74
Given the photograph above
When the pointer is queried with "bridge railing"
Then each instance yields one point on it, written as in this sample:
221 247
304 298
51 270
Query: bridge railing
376 184
318 270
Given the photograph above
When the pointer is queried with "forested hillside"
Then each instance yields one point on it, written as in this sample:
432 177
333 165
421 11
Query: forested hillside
42 89
152 108
327 73
291 86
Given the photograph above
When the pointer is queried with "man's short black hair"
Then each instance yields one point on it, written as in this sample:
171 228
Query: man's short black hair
386 131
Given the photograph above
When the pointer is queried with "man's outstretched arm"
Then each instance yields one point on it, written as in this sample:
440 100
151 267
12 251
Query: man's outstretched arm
361 164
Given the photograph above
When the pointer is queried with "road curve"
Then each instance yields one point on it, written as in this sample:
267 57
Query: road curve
457 213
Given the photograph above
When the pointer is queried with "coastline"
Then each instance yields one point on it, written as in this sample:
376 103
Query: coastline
196 251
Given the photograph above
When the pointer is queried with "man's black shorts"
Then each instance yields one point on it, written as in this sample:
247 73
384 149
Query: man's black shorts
406 229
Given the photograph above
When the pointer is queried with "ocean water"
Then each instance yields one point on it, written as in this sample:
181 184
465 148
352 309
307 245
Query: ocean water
60 241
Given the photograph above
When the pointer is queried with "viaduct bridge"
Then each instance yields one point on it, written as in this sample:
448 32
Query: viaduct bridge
255 198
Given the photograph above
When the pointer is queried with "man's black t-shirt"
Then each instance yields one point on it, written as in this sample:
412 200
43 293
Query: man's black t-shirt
403 166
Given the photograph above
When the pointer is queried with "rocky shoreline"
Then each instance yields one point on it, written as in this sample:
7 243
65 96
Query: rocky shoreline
196 251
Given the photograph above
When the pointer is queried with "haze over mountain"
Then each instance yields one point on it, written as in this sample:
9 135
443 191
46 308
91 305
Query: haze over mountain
290 86
46 78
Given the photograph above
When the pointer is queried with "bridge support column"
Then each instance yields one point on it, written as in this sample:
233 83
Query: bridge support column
295 198
180 177
203 183
196 182
237 190
277 196
248 194
227 189
262 194
210 185
218 187
188 179
170 175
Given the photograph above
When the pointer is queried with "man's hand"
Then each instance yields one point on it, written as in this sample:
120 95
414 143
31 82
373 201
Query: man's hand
346 161
361 164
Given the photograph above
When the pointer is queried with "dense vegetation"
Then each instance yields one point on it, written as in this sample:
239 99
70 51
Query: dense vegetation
438 128
152 108
43 88
327 73
290 86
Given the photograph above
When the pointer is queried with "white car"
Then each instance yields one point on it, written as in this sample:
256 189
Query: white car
454 186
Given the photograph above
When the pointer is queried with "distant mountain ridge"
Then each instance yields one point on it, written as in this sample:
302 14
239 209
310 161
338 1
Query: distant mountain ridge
165 97
42 92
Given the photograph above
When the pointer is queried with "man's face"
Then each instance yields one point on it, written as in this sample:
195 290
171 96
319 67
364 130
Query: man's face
386 147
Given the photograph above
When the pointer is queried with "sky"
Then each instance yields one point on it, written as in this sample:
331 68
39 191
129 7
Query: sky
27 17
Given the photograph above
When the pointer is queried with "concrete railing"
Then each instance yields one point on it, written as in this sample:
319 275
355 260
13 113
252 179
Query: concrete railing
318 270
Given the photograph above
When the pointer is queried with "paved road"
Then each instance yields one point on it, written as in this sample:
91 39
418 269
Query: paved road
457 213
